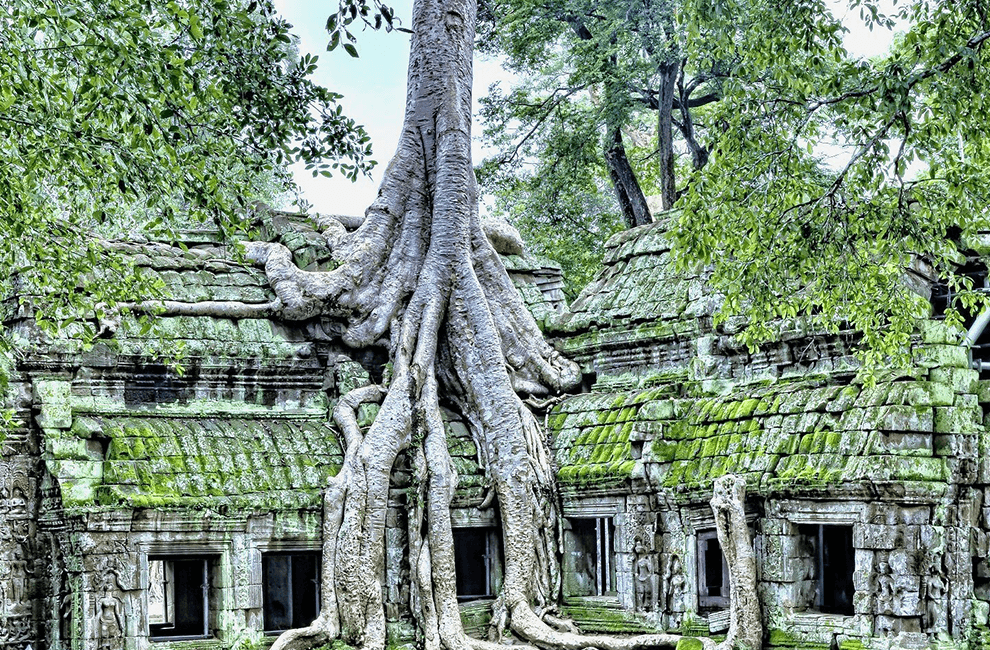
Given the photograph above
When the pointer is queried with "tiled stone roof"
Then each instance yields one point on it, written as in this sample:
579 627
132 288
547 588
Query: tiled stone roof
194 462
247 425
677 406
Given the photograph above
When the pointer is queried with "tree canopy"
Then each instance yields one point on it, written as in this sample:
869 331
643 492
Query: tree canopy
147 112
789 234
606 86
766 100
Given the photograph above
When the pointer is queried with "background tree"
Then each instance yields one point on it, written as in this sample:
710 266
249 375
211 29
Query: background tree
564 206
788 236
638 79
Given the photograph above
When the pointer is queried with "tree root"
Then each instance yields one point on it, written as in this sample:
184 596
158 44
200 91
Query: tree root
728 505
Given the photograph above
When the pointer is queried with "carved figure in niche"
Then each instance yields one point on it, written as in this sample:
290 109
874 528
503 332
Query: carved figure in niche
647 579
18 502
935 588
4 602
674 579
20 531
109 619
885 589
65 616
18 581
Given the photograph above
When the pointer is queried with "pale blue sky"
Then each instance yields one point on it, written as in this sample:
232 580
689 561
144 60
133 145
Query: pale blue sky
374 84
374 89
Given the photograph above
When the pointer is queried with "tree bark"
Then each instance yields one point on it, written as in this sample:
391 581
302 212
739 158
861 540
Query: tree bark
628 192
699 153
745 623
627 189
665 133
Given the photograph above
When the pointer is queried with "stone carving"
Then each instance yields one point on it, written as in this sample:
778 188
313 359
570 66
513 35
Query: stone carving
935 590
886 590
18 581
646 577
110 617
673 579
16 629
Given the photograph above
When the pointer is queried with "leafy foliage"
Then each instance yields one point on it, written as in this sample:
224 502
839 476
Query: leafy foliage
790 236
593 68
160 111
788 233
556 194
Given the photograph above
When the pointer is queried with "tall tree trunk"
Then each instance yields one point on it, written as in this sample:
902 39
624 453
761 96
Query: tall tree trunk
745 623
628 192
665 133
699 153
624 182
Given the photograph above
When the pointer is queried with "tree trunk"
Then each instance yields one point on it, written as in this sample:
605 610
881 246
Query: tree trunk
624 181
628 192
728 505
699 153
665 133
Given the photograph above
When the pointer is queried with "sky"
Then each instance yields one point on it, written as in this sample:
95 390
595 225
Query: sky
374 90
374 86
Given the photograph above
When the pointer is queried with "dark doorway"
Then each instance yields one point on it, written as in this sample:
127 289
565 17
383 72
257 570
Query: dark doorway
291 586
837 564
475 562
829 551
590 557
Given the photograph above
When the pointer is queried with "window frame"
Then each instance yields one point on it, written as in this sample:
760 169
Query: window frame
492 558
605 556
168 560
703 541
265 555
822 571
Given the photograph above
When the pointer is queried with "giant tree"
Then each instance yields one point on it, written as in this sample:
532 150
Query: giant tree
420 278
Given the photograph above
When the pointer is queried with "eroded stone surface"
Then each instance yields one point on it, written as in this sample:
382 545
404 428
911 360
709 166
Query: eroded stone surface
120 461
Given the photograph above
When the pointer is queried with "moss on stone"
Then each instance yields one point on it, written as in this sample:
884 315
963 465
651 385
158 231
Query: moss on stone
689 643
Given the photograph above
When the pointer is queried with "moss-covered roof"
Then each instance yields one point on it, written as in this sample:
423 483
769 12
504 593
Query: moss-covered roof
676 404
641 314
639 283
198 462
199 267
781 436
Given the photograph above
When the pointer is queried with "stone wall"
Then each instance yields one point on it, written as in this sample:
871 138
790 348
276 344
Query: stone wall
23 568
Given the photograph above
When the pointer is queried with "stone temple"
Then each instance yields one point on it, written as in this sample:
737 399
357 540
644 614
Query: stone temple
142 508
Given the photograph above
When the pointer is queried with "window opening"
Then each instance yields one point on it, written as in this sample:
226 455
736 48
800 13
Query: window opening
291 584
475 562
976 322
178 598
833 560
591 557
713 572
836 577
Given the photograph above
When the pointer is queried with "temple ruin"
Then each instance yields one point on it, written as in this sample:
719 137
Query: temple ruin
140 506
